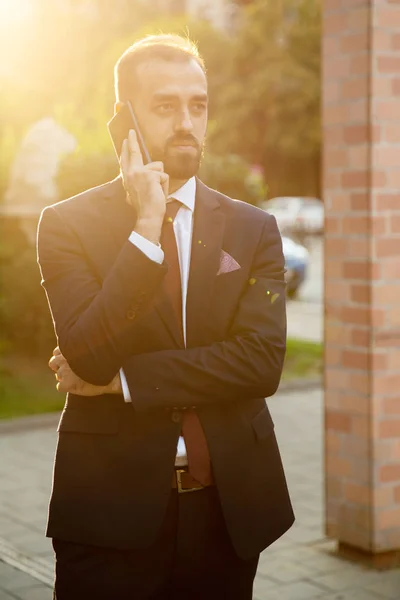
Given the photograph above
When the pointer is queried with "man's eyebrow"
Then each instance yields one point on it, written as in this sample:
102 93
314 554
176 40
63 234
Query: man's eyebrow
200 97
163 97
160 97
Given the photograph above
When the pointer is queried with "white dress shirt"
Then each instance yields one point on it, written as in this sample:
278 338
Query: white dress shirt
183 229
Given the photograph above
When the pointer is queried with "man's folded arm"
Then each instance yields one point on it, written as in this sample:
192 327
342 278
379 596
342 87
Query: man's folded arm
248 364
94 321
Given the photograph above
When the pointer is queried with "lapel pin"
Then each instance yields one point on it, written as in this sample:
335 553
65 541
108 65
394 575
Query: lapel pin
252 281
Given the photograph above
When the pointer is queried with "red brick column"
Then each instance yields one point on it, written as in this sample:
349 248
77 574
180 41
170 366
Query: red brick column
361 165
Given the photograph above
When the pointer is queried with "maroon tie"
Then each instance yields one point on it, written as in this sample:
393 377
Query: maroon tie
195 441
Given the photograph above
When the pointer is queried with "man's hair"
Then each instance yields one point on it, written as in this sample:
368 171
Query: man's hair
169 47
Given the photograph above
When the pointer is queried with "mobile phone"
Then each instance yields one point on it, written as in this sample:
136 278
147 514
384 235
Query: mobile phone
119 126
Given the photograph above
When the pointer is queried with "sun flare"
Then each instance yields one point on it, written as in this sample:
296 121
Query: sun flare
14 11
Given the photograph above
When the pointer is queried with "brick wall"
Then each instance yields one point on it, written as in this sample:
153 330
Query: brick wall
361 164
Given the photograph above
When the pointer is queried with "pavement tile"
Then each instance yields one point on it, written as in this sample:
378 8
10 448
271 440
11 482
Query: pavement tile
6 596
39 592
386 583
284 571
324 563
12 580
300 590
9 527
31 542
303 535
299 554
310 520
345 579
263 588
353 594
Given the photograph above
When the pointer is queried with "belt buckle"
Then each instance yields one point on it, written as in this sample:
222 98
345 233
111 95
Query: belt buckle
181 490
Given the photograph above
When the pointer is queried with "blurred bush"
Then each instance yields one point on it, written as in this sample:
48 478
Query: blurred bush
231 175
79 172
25 325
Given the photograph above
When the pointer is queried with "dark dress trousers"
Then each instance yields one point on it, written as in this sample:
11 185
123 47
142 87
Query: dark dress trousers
114 460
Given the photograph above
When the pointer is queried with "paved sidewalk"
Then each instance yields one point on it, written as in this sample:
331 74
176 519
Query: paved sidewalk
300 566
305 320
18 585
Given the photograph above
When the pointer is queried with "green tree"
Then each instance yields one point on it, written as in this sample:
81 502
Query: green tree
269 111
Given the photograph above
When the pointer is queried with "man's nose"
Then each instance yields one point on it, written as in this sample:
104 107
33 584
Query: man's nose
183 121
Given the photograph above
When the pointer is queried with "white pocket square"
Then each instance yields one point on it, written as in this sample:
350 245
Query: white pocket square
227 263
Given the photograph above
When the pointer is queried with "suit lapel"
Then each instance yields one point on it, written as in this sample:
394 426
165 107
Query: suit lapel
208 230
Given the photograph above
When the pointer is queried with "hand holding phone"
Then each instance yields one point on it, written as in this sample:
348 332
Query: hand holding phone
120 125
145 182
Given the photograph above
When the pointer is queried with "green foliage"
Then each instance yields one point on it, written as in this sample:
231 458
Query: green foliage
25 323
272 99
269 110
230 175
79 172
28 391
8 148
298 103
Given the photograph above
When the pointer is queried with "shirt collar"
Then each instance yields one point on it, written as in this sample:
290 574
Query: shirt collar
186 194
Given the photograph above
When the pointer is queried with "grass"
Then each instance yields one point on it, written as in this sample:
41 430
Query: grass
28 388
303 359
29 391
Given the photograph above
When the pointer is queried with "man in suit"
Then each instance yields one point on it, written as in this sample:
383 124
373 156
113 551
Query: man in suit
168 301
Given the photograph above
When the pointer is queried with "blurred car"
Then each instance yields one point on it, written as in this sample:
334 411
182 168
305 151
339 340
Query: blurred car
299 215
310 219
297 261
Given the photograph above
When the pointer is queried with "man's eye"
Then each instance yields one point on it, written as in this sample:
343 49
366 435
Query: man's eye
199 106
165 107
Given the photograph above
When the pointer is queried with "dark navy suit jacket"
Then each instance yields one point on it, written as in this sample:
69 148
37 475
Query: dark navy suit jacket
114 461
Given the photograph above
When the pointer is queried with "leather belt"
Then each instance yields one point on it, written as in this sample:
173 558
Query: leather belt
184 482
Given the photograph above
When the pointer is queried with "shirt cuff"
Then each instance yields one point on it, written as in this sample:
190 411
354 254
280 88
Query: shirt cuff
125 389
153 252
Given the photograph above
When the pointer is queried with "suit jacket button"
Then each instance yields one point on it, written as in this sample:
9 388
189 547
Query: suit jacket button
130 314
176 416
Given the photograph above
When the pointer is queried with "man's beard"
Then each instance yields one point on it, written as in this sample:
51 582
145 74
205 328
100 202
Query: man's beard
180 164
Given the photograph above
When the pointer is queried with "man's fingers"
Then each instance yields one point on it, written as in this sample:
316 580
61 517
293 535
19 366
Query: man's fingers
124 158
56 351
63 387
136 158
164 180
157 166
54 363
143 171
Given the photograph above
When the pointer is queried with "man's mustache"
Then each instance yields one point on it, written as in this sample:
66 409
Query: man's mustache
187 140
